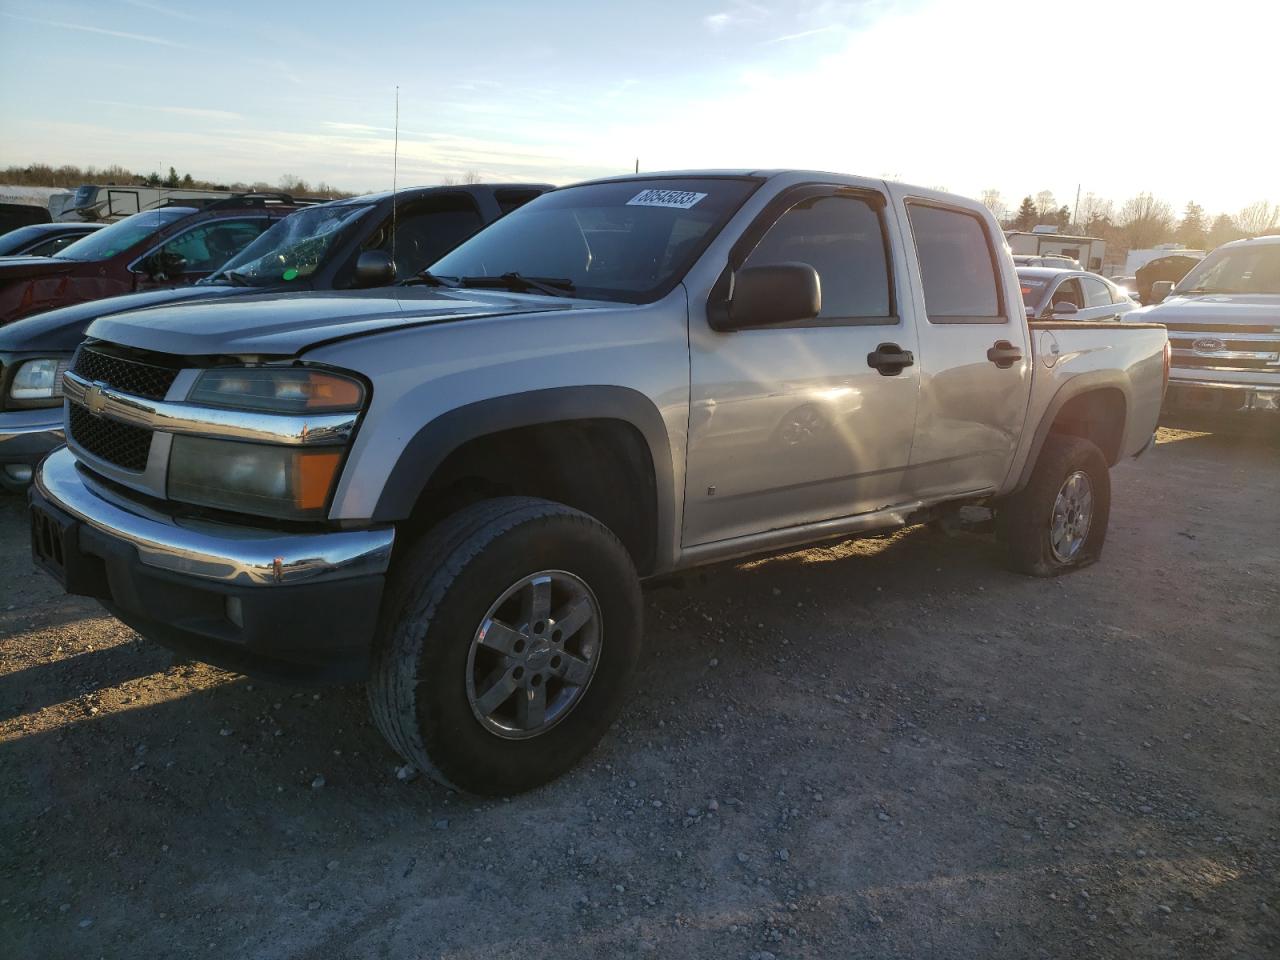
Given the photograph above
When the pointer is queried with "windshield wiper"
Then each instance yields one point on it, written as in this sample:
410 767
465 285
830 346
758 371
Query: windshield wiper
519 283
431 279
232 277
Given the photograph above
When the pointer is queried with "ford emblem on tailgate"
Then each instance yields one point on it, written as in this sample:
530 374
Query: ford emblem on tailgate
1208 345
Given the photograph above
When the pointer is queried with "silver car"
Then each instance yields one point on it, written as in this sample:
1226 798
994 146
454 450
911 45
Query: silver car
1052 294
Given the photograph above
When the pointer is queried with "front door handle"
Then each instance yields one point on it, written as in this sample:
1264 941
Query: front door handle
1004 354
890 359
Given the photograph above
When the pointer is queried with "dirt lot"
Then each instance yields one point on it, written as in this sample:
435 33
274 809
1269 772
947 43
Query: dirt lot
886 748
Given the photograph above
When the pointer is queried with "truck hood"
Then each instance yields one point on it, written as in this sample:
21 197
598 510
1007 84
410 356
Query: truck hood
61 330
285 324
18 268
1215 309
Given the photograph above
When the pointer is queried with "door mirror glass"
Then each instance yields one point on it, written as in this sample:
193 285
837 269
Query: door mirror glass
1065 308
772 294
1160 290
163 265
374 268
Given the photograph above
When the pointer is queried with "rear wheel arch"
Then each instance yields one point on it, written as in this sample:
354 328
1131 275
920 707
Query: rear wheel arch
1094 407
616 435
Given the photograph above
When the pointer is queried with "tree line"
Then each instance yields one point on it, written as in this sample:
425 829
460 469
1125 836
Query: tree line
1141 222
71 176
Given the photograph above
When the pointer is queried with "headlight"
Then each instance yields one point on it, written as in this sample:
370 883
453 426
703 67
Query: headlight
278 390
289 483
39 379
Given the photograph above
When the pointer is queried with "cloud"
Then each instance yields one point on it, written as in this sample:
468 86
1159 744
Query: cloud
118 34
166 11
715 22
804 33
197 113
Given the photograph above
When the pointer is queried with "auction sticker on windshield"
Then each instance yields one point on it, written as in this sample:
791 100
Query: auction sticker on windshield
680 199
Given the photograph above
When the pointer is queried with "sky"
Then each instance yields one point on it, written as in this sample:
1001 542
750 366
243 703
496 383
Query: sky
1117 97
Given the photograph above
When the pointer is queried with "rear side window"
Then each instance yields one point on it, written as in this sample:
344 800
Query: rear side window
1096 292
957 266
842 238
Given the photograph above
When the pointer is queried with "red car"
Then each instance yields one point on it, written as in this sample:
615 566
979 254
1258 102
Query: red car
166 247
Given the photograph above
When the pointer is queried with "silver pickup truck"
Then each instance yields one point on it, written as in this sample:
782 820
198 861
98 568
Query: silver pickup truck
1224 329
454 487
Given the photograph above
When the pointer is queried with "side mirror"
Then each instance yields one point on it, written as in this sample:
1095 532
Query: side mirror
1064 308
374 268
164 266
1160 290
775 293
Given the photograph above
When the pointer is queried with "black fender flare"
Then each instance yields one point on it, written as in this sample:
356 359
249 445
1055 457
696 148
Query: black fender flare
1075 387
432 444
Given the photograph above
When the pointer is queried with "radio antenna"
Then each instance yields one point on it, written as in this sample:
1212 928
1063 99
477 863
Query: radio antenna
395 173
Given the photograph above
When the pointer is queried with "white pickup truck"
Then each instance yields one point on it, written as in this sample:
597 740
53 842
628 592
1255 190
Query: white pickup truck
453 488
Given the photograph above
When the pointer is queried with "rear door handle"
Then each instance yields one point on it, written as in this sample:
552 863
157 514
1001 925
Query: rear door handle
890 359
1004 354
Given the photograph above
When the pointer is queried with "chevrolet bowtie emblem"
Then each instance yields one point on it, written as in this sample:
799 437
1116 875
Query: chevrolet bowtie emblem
94 399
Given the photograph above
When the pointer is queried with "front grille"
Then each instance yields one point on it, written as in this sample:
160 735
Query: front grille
1200 330
123 444
130 376
1224 363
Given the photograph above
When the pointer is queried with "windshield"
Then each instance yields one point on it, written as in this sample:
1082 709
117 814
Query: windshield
122 234
293 247
1247 269
629 240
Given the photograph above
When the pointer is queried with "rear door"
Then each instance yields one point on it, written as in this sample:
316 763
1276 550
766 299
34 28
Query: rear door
790 424
974 360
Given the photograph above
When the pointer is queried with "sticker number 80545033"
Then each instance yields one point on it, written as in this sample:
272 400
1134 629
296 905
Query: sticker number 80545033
680 199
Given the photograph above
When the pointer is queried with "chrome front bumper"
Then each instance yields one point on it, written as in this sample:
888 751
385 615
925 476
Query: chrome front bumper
223 553
1209 396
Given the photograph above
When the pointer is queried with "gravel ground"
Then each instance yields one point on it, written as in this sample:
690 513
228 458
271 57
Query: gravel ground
884 748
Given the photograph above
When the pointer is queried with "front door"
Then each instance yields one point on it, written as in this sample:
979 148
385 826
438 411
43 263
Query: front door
791 424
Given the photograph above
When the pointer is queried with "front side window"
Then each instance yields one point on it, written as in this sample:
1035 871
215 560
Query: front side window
207 247
623 240
957 267
1096 292
122 235
427 229
1068 292
843 240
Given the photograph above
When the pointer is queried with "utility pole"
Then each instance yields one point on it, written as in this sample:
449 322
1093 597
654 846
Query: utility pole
1075 211
637 164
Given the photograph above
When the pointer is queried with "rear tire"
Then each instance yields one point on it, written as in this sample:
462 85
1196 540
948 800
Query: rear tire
513 594
1058 522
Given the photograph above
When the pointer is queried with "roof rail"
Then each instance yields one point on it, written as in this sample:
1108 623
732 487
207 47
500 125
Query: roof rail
261 199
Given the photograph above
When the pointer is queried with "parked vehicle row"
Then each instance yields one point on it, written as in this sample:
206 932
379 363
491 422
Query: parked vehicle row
344 245
452 487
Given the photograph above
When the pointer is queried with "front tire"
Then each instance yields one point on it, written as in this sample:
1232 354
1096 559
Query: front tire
507 638
1058 522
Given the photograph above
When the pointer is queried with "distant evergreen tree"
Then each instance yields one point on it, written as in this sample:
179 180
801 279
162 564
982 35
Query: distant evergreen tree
1063 218
1028 216
1193 232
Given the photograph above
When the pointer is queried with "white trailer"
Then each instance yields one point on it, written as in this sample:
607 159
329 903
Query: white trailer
1090 251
